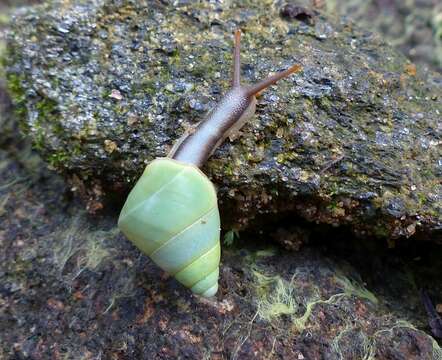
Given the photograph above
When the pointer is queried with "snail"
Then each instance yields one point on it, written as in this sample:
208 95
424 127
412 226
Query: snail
172 214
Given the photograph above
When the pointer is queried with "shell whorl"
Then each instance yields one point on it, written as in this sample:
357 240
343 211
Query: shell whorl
172 216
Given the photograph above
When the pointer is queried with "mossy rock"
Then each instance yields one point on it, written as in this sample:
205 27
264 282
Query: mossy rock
106 86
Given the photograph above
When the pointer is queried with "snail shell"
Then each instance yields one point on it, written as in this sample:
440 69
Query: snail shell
172 216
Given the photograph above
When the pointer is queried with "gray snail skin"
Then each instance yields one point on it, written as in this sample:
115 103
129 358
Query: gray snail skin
172 214
231 113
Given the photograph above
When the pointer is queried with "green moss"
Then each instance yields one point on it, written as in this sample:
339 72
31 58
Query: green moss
47 113
15 89
286 158
47 110
353 288
229 169
60 159
381 231
333 205
57 159
2 59
230 236
39 140
275 296
148 87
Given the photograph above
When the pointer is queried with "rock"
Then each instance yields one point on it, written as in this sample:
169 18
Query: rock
353 140
413 27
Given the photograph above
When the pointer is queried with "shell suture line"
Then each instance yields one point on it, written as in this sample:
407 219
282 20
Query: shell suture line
182 231
199 257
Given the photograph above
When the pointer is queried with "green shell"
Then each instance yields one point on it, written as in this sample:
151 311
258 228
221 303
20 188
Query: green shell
172 216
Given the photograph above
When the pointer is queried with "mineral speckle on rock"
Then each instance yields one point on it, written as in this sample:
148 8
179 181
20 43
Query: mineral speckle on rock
341 143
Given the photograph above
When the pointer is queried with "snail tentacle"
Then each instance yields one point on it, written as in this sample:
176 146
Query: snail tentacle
236 78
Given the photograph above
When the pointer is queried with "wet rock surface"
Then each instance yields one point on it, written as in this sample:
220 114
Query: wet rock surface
107 86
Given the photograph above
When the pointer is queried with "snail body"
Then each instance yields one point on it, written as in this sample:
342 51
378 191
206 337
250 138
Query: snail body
171 214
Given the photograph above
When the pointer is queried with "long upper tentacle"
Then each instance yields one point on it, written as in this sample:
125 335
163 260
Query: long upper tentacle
256 88
236 60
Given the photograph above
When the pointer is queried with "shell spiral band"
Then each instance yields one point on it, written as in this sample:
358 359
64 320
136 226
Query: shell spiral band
172 216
